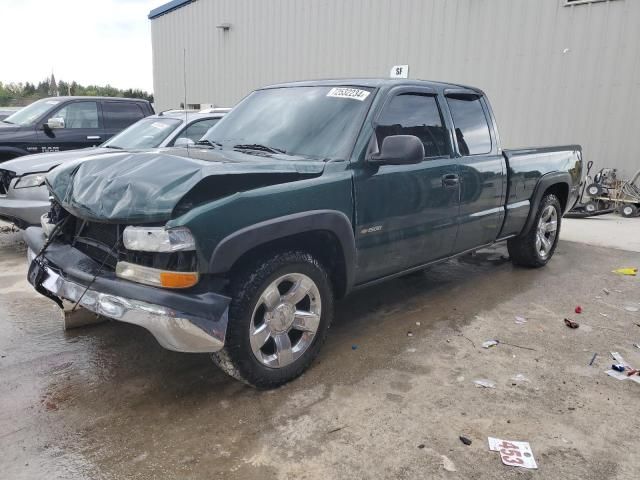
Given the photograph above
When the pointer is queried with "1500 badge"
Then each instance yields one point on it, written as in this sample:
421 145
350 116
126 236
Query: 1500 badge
375 228
49 149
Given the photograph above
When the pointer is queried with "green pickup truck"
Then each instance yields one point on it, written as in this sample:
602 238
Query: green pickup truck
237 246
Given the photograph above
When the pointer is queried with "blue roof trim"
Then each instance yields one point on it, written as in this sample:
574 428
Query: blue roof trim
168 7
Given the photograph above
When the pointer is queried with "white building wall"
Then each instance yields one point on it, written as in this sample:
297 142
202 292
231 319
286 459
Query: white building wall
554 73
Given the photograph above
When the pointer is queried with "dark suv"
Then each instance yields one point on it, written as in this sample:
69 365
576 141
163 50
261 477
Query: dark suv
65 123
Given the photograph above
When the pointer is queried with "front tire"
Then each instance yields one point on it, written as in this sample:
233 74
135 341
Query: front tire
535 247
280 312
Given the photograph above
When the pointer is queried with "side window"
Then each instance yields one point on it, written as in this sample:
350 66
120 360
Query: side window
119 115
470 122
418 115
196 130
79 115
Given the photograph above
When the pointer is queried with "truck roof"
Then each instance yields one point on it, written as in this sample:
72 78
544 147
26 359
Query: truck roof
375 83
63 98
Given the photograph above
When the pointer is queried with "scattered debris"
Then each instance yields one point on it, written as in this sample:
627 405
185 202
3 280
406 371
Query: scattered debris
571 323
489 343
421 446
409 334
632 271
593 358
354 347
622 374
636 345
520 320
412 350
630 308
517 346
606 290
484 383
578 309
448 465
604 315
337 429
465 440
513 453
519 378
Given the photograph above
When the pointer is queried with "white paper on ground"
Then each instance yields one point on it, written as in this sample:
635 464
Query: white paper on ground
621 375
513 453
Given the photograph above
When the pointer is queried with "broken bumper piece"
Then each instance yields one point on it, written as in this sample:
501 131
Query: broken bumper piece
181 322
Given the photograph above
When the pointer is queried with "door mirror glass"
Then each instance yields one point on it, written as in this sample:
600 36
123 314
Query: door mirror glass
399 150
183 142
55 122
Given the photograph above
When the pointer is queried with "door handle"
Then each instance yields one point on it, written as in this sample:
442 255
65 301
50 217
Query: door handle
450 180
93 137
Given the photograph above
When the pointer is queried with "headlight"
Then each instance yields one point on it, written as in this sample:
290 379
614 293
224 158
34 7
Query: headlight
158 239
35 180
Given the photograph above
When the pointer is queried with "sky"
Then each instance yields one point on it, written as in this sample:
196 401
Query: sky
95 42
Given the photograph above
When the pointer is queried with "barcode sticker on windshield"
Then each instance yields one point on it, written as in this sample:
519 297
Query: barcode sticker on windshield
353 93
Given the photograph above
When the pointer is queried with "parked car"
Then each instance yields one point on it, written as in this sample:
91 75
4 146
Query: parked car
23 195
6 111
240 247
66 123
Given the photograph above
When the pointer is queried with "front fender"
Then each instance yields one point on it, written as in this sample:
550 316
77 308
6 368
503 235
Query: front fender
232 247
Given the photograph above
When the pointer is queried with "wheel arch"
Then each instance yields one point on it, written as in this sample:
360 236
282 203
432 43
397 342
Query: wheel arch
556 183
9 153
326 234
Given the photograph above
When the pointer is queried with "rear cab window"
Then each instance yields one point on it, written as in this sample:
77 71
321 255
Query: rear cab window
119 115
472 132
415 114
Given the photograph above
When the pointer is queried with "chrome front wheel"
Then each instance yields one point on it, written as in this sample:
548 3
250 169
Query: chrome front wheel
285 320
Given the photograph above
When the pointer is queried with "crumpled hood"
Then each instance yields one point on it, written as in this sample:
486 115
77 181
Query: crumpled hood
145 187
43 162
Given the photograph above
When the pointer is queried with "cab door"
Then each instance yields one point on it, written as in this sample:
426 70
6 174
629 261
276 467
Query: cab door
81 127
481 167
406 214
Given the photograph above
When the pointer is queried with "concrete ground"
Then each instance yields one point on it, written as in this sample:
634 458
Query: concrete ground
107 402
609 230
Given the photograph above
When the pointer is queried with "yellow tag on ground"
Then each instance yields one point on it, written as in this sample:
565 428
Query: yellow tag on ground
627 271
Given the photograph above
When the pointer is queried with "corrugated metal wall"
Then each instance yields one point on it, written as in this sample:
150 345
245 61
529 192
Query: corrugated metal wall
554 74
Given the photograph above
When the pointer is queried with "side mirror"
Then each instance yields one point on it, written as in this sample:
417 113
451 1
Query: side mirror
183 142
55 122
399 150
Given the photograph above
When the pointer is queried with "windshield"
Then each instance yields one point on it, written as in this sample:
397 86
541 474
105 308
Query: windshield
318 122
145 133
29 114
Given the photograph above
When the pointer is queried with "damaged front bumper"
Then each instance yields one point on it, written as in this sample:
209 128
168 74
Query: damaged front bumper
180 321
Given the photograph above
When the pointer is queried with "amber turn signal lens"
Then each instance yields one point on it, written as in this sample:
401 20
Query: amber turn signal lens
178 279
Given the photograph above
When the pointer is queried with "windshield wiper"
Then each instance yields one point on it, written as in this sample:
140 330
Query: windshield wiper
258 147
112 146
210 143
10 123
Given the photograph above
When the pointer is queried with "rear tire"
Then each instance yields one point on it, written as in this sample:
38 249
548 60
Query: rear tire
280 312
535 247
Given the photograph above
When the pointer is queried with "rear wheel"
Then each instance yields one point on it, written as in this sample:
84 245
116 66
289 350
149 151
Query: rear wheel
535 247
280 312
628 210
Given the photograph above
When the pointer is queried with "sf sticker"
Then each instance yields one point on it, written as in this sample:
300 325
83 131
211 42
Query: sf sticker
353 93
